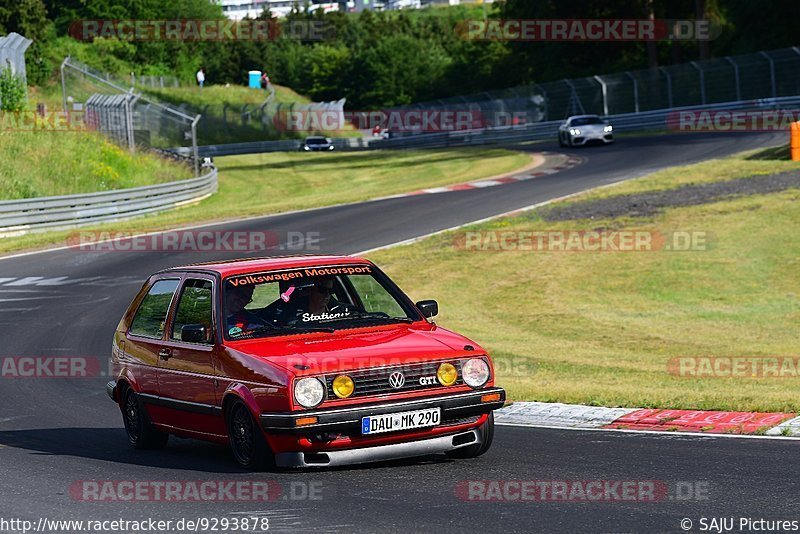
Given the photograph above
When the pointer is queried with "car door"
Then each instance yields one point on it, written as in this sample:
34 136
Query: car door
186 376
144 340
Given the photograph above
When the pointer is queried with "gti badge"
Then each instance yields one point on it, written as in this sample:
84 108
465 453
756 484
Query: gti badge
397 380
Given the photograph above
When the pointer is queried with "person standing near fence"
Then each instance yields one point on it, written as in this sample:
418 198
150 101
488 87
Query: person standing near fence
201 78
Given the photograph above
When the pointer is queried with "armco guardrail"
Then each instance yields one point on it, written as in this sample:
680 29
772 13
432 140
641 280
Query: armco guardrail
23 216
257 147
627 122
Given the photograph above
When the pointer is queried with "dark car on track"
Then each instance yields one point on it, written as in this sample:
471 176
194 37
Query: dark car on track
298 362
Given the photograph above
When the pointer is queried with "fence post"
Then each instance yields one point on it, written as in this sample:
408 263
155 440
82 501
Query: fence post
546 100
604 91
129 119
702 82
573 98
194 145
669 86
771 73
735 77
64 85
635 90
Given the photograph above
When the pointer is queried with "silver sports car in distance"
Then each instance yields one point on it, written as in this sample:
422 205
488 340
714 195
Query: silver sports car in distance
583 129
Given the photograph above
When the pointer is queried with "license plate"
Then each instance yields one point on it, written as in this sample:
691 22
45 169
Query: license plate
393 422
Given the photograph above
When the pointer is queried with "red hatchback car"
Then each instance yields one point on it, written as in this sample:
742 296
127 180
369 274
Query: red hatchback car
298 362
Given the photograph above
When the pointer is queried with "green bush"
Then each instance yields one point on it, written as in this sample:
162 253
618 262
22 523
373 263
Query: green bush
12 91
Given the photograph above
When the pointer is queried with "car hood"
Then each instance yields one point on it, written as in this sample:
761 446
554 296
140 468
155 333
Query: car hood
358 349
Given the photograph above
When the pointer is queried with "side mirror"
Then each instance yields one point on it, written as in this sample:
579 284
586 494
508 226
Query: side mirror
429 308
194 333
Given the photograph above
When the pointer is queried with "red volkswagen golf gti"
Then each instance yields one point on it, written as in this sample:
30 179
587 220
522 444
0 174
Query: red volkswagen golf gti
298 362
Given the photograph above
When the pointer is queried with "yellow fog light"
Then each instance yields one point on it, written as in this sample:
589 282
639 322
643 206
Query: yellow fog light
447 374
343 386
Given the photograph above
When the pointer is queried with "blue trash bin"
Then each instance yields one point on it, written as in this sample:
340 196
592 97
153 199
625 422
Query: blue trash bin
254 79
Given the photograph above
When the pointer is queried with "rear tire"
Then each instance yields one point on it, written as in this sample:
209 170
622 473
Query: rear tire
141 432
248 445
473 451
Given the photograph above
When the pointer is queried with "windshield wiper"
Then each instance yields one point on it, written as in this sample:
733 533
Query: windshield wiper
293 328
381 317
285 329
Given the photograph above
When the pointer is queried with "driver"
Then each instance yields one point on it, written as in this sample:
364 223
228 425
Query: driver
238 318
309 298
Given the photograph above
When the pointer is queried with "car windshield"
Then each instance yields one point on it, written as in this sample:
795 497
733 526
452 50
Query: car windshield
583 121
318 299
316 141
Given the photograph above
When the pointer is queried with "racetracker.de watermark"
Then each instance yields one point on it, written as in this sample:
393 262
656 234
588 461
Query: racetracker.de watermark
52 367
576 30
169 491
581 491
582 241
49 121
195 241
200 30
732 121
394 120
505 367
735 367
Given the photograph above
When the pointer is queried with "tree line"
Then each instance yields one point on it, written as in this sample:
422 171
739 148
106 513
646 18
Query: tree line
380 59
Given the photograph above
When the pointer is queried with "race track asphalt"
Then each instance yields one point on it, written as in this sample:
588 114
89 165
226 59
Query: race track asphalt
57 432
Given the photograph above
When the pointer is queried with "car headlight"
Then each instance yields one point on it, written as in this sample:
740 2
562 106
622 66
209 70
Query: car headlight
574 131
330 147
306 147
475 372
343 386
309 392
608 128
447 374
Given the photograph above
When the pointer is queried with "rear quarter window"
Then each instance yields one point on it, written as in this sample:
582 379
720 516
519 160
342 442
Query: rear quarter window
151 316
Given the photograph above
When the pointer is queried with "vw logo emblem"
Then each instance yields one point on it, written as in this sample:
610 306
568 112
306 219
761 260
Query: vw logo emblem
397 380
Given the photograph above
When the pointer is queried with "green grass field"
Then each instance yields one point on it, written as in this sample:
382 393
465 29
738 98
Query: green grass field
37 164
222 110
217 95
600 328
262 184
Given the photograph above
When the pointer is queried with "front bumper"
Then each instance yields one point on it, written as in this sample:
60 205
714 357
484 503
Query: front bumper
348 420
111 390
380 453
588 138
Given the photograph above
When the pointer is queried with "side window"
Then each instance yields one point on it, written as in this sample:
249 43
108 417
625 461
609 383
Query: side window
194 307
152 313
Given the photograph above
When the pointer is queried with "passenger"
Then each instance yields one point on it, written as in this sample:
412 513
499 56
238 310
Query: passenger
238 318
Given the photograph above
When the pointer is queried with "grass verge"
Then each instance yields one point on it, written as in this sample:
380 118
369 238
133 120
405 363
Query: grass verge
37 164
601 328
262 184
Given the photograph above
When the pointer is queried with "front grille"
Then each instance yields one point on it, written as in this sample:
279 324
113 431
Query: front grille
460 420
376 381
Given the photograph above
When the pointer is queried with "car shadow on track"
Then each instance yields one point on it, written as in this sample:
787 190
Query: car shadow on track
111 444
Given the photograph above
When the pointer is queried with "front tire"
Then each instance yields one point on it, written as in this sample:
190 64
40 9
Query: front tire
247 442
473 451
141 432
